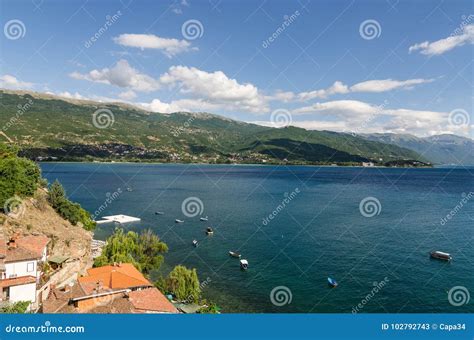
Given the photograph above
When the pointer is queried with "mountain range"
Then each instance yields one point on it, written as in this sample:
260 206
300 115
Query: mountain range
50 127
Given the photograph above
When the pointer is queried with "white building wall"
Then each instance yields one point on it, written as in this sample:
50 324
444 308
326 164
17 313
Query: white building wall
44 254
23 268
23 293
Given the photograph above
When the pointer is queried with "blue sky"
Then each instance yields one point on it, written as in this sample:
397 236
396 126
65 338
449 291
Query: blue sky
365 66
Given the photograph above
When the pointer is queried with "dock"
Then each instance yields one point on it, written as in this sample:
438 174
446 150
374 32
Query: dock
118 219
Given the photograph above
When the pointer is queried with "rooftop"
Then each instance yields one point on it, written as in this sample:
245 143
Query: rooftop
23 248
17 281
35 244
151 300
117 276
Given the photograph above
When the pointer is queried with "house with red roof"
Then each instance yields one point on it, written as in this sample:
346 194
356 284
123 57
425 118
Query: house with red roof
117 288
19 270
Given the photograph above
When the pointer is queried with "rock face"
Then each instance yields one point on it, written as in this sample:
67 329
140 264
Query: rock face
36 217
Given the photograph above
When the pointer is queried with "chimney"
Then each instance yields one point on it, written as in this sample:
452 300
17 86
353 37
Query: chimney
12 242
98 287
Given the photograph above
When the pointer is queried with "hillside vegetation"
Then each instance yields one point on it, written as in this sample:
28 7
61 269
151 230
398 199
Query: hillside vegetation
46 126
20 179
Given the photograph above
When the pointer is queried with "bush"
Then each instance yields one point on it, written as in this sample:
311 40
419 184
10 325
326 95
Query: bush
72 212
142 250
18 177
184 284
19 307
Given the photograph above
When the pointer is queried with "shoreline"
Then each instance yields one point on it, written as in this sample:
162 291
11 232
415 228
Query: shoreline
259 165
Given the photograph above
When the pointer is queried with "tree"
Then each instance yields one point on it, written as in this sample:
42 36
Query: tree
142 250
19 307
18 177
184 284
71 211
57 195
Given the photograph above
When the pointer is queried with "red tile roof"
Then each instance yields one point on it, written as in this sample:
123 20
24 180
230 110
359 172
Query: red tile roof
35 244
151 300
120 276
17 281
20 254
23 248
3 247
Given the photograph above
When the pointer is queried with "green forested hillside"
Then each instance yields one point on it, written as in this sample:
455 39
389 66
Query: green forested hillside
45 126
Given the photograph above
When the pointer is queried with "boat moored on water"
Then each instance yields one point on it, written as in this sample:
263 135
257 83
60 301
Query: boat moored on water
441 255
244 264
178 221
209 231
159 213
234 254
195 243
332 282
204 219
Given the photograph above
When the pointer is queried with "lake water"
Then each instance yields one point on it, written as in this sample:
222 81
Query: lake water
381 262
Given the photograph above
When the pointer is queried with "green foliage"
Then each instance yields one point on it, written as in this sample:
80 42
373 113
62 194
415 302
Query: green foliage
15 308
18 176
7 150
193 137
142 250
71 211
211 308
184 284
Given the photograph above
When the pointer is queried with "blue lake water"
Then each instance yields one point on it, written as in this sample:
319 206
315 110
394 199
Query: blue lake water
318 232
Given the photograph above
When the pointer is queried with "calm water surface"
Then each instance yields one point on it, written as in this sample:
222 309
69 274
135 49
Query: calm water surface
319 233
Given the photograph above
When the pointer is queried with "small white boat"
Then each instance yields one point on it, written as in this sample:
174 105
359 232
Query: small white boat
159 213
209 231
234 254
204 219
195 243
333 283
441 255
244 264
178 221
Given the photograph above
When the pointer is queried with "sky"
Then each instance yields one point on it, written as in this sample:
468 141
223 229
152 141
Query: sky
353 66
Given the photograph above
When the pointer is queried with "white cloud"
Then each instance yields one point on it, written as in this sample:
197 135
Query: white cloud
361 117
378 85
340 108
169 47
121 75
204 90
157 105
127 95
181 105
11 82
387 85
215 89
336 88
69 95
282 96
444 45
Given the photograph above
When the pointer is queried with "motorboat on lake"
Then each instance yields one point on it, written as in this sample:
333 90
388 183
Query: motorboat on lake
209 231
441 255
244 264
178 221
195 243
159 213
332 282
204 219
234 254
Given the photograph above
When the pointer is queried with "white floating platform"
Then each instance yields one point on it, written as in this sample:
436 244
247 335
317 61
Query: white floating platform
118 219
